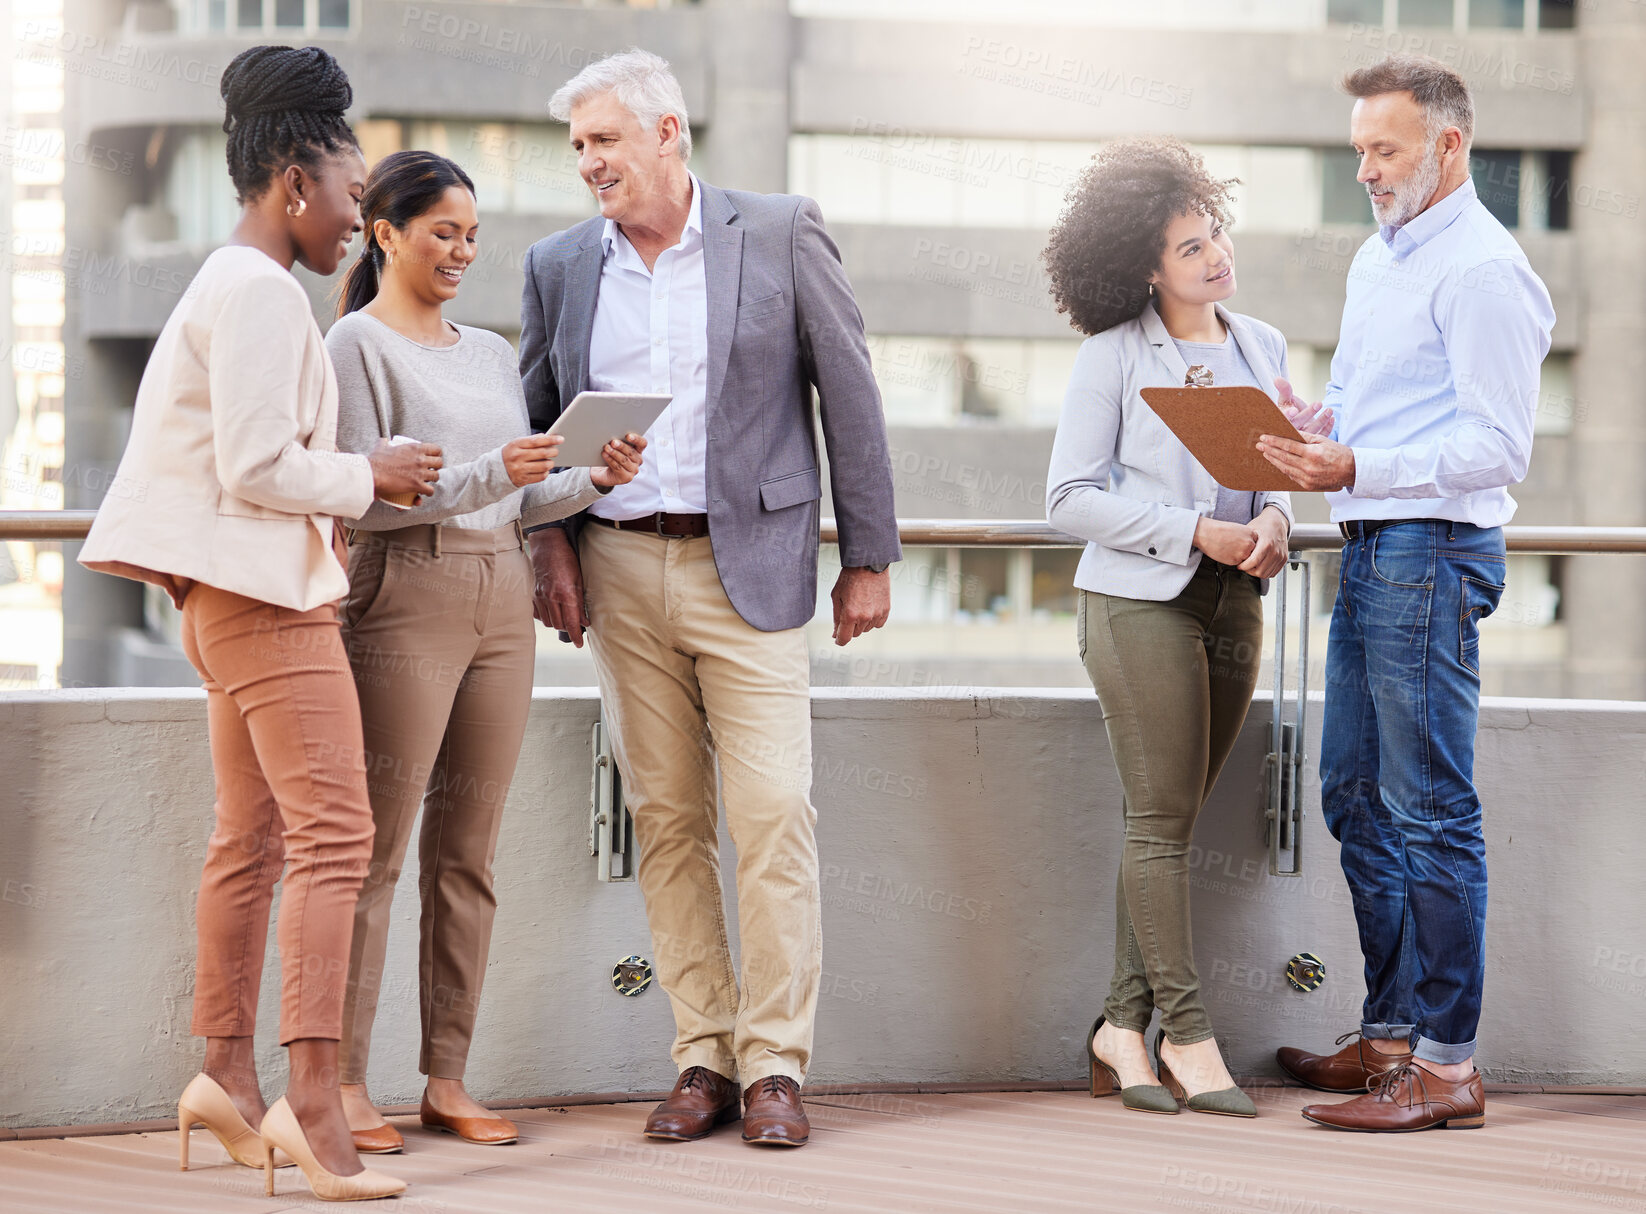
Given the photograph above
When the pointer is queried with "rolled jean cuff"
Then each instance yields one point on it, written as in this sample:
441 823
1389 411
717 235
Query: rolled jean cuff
1438 1051
1389 1032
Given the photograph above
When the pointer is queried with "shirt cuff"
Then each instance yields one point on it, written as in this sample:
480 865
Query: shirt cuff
1374 472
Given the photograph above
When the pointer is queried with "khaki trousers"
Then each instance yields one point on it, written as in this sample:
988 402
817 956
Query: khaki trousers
1175 680
438 626
690 689
291 793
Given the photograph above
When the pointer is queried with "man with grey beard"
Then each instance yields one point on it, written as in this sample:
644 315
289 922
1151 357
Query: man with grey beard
1429 418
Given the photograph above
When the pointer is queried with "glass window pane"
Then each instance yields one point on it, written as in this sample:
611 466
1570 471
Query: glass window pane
216 14
1426 12
994 379
1497 181
1354 12
1053 580
984 589
334 14
1556 14
917 378
1277 194
1497 14
1557 405
288 14
1342 198
249 14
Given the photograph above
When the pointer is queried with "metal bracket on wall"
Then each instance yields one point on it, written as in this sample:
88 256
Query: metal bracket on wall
611 829
1283 813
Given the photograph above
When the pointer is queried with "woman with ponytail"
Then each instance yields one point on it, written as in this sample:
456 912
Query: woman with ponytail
438 622
232 480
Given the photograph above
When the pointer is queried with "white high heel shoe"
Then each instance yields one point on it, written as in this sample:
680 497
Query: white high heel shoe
281 1129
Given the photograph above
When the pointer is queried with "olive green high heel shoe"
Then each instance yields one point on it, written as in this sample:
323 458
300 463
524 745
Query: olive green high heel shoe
1226 1102
1144 1097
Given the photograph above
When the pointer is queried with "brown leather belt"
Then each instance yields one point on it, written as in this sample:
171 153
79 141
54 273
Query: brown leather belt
670 526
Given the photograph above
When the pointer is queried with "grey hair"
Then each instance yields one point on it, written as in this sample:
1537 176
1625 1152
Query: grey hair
640 80
1439 91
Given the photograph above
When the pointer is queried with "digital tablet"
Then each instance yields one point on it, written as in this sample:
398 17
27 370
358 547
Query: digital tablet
1221 426
593 419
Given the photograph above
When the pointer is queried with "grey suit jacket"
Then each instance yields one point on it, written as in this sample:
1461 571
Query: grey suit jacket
781 318
1120 479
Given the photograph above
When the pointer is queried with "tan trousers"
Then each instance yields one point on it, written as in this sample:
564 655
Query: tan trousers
291 793
688 688
438 626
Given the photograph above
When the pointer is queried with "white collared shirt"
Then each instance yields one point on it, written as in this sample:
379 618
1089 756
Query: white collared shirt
651 334
1435 378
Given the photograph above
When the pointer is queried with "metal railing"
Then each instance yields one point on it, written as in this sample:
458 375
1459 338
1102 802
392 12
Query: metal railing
1283 813
70 525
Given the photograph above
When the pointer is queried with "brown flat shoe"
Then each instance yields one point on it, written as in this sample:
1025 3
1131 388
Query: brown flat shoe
1351 1069
482 1131
1406 1099
773 1115
381 1140
702 1099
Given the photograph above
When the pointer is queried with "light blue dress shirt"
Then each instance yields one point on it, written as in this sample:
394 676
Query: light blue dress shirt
1435 378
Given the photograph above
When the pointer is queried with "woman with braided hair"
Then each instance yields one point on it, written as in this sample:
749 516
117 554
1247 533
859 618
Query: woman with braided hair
231 481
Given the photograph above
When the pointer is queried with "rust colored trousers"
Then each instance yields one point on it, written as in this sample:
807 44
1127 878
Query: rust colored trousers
291 794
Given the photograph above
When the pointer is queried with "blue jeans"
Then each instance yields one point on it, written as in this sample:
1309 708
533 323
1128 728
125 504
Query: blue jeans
1397 773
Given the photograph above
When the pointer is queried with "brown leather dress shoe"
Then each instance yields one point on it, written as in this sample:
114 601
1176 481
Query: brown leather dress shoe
773 1115
1351 1069
381 1140
702 1099
1405 1099
482 1131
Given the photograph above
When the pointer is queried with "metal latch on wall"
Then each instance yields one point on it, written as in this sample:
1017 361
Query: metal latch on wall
1283 813
611 829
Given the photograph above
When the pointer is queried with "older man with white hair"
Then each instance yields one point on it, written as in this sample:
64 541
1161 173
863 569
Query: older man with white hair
1432 393
695 579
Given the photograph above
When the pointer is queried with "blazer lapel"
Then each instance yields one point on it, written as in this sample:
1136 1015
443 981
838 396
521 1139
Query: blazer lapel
1251 349
722 269
576 331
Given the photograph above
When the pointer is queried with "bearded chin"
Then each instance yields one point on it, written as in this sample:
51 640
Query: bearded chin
1412 194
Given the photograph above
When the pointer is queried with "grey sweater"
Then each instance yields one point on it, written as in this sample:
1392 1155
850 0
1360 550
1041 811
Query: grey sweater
467 398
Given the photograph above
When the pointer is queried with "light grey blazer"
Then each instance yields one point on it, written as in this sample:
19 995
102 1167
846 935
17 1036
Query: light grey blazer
782 318
1120 479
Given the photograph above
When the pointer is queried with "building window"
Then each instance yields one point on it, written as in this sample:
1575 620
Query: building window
1497 14
264 16
941 381
1497 177
1354 12
1425 12
1342 198
1558 408
1556 14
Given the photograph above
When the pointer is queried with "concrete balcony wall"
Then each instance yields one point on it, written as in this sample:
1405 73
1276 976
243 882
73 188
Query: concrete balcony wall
1083 82
969 846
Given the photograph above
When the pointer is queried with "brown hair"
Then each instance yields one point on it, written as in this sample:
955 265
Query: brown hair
1112 232
1438 90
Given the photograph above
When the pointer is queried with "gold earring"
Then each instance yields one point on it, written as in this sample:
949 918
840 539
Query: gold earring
296 209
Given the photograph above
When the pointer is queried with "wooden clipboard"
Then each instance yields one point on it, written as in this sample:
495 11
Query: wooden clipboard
1221 426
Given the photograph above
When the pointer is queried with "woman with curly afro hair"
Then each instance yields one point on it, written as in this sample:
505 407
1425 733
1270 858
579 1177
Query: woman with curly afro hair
1169 616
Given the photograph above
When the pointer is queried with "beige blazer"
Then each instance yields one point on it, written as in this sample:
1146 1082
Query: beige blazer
231 475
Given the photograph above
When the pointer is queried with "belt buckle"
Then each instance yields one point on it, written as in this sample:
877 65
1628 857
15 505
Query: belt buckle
657 525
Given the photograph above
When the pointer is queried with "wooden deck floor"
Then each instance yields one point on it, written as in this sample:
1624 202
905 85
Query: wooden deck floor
983 1152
